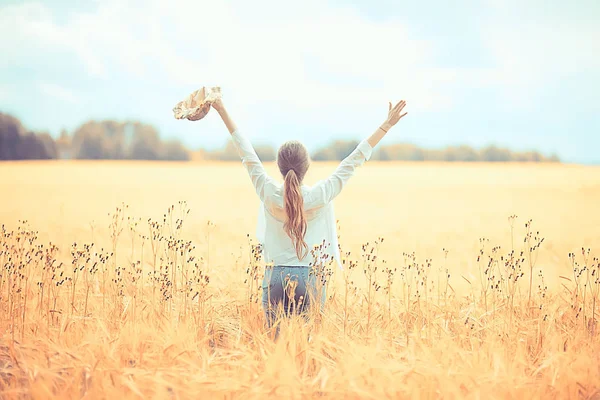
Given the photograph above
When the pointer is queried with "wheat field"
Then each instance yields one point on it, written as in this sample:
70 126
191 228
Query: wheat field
142 280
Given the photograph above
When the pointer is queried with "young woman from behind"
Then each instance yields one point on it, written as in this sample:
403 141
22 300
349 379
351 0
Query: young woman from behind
295 217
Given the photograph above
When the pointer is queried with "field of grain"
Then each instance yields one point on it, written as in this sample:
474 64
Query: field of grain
98 302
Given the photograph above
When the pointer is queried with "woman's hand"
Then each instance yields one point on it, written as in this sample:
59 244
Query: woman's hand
394 114
218 105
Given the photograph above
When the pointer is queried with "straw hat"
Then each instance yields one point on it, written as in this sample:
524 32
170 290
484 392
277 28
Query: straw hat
197 104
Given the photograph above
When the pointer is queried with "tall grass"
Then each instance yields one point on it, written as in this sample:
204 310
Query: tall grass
101 322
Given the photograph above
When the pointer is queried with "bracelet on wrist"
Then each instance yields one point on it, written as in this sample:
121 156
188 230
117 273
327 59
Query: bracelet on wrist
383 129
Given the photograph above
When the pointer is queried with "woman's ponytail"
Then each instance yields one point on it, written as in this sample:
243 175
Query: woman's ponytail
295 226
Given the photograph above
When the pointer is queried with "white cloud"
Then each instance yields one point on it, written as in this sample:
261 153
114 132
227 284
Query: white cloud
531 57
58 92
213 42
29 29
4 93
303 57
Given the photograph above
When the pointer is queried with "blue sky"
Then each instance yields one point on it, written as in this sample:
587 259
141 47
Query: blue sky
521 74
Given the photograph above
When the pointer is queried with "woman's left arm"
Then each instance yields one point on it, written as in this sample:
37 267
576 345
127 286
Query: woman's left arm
248 155
220 108
327 190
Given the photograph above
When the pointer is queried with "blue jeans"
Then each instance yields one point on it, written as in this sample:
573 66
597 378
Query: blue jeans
292 288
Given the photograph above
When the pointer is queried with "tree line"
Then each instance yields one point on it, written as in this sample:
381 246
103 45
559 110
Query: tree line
94 140
410 152
133 140
340 149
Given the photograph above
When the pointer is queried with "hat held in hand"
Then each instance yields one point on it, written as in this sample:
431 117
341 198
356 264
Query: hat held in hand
197 104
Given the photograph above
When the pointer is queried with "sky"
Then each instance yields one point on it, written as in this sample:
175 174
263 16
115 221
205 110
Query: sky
518 74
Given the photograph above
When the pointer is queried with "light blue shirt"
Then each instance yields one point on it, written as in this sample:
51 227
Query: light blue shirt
278 248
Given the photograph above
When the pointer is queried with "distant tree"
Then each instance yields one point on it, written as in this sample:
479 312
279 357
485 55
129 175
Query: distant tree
228 153
433 155
554 158
325 154
401 152
146 144
10 136
114 140
460 153
337 151
265 153
173 150
50 147
90 142
31 148
528 156
495 154
17 144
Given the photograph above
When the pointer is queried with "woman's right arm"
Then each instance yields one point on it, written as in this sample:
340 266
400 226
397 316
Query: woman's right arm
259 177
328 189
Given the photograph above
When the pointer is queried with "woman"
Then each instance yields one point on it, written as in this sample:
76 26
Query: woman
294 217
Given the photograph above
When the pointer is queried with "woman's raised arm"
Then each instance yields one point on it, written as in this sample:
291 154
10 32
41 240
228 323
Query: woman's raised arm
327 190
248 155
220 108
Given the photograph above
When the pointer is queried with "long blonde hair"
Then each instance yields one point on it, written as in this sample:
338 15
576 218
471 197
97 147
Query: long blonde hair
293 162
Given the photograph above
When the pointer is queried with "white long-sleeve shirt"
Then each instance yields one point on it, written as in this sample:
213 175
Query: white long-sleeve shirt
278 248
